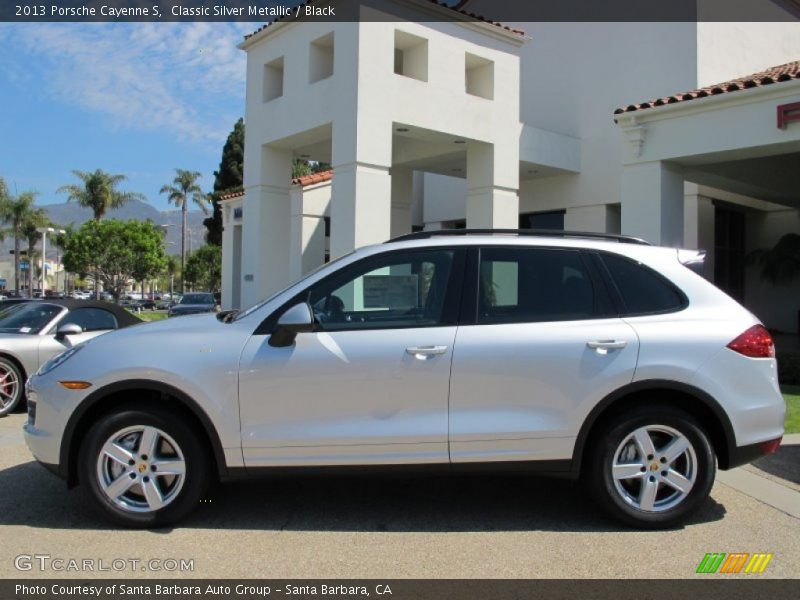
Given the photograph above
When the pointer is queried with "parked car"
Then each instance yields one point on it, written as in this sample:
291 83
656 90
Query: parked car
32 331
193 303
580 355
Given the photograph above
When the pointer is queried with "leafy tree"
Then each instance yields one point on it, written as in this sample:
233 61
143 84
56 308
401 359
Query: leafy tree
14 211
98 191
204 268
35 219
184 188
781 263
229 178
117 252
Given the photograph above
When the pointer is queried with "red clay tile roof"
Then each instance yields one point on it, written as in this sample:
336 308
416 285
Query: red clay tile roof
436 2
313 178
303 181
231 196
772 75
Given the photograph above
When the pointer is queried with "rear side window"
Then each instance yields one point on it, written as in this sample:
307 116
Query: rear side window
523 285
91 319
643 291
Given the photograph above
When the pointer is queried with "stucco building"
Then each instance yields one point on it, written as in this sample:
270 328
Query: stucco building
452 123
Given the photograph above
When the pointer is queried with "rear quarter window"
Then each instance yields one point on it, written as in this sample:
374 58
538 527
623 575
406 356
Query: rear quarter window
642 290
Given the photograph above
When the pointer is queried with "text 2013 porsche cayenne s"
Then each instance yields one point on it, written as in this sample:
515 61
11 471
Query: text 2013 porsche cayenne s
604 358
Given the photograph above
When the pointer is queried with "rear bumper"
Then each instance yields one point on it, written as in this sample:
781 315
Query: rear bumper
741 455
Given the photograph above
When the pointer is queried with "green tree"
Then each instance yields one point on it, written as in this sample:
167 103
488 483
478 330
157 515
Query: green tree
781 263
185 187
204 268
14 211
229 178
117 252
35 219
98 192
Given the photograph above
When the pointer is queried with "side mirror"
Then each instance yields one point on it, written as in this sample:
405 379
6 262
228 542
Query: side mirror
67 329
297 319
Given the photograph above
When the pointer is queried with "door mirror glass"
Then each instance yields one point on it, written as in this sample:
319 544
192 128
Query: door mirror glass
68 329
297 319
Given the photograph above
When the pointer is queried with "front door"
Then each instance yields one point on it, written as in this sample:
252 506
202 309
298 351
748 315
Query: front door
370 384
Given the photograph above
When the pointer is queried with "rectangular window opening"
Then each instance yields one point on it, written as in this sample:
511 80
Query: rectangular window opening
273 79
410 56
321 59
479 76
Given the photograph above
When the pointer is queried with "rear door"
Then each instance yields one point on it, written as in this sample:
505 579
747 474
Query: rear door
540 344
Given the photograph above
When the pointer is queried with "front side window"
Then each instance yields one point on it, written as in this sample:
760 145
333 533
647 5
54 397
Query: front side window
91 319
406 289
523 285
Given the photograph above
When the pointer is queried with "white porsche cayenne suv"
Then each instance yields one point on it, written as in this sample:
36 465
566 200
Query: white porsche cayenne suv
574 354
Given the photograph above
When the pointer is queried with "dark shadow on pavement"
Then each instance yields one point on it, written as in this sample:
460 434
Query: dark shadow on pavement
785 463
31 496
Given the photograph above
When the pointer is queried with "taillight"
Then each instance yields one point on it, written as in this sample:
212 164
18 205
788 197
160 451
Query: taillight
756 342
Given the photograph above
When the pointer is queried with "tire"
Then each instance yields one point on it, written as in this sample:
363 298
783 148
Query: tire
629 478
145 487
12 386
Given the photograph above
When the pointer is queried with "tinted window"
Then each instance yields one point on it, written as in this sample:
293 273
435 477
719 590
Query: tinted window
643 290
91 319
402 289
519 285
197 299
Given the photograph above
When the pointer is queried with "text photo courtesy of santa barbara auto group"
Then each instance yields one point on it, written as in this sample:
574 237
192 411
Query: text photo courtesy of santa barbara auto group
403 299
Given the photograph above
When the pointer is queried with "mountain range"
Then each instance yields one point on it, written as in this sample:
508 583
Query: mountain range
71 213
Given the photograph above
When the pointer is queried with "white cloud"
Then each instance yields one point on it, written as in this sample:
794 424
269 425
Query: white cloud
182 78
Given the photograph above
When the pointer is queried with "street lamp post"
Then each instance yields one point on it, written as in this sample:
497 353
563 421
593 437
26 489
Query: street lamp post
58 262
44 231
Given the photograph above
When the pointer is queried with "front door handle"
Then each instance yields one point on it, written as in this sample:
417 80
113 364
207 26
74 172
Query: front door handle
423 352
603 346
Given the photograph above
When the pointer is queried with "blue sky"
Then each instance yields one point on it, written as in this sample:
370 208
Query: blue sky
138 99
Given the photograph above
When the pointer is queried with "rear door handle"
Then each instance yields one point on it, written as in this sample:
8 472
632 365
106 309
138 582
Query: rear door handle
423 352
603 346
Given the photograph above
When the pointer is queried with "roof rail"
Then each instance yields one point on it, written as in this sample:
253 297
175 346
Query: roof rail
422 235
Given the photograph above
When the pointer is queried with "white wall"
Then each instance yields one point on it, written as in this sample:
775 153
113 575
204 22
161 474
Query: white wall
731 50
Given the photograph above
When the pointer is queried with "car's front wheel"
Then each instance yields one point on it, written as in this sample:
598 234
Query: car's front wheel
143 468
652 466
11 386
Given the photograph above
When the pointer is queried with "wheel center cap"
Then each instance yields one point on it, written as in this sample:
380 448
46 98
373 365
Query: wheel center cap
654 466
142 468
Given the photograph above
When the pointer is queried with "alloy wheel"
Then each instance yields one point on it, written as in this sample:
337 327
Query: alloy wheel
654 468
9 387
141 469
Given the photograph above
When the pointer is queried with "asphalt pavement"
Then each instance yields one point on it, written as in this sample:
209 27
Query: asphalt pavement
451 527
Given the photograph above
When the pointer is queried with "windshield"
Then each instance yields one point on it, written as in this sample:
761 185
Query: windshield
29 318
256 306
197 299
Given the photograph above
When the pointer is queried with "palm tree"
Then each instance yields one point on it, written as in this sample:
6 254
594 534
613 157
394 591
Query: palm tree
185 187
15 210
35 219
98 191
781 263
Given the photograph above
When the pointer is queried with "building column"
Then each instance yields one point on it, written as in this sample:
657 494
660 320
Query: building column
227 258
652 202
265 268
361 189
402 196
307 246
493 186
698 225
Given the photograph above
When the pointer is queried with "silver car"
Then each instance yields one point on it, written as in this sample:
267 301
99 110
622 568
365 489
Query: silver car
32 332
582 355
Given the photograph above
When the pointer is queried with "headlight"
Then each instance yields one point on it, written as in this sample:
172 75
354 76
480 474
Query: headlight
58 359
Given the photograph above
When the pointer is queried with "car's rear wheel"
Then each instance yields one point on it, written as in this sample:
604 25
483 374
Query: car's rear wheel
11 386
651 467
143 468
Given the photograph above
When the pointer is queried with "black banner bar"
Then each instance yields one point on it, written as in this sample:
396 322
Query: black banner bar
507 11
711 588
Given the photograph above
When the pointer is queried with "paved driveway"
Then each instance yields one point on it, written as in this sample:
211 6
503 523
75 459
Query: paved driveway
499 527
